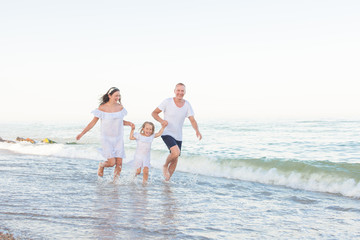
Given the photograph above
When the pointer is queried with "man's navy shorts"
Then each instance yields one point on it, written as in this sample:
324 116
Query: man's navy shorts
170 141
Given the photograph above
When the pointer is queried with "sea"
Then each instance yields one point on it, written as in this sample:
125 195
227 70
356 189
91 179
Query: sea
246 179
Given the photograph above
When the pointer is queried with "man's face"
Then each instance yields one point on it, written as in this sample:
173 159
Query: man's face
180 91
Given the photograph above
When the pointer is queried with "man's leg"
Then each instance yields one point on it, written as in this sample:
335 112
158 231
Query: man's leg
171 162
172 167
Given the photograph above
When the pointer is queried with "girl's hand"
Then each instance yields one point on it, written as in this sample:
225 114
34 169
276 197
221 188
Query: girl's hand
164 123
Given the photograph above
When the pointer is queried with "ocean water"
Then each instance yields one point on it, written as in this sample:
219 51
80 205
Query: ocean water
244 180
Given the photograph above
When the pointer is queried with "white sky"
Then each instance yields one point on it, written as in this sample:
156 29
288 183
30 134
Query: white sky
239 59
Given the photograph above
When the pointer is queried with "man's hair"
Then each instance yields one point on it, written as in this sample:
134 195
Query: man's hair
180 84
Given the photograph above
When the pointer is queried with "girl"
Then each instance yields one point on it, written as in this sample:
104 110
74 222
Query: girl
143 148
111 112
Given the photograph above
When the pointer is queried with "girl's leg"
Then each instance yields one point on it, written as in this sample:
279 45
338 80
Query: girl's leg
117 168
145 174
109 163
100 170
138 171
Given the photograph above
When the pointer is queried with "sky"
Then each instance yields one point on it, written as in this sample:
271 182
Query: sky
239 59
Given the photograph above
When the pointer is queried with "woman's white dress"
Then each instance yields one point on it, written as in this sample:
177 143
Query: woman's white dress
112 133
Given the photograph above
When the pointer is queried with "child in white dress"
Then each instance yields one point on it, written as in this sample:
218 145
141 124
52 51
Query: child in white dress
111 112
143 148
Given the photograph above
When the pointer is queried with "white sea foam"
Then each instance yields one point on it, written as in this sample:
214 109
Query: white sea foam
55 150
263 171
316 181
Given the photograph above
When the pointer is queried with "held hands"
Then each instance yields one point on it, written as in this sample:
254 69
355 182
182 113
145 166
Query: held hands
130 124
164 123
131 137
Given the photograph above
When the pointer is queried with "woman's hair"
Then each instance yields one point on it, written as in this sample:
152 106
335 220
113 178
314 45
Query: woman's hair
105 98
150 123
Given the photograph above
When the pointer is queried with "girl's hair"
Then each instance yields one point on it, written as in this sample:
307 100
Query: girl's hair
105 98
150 123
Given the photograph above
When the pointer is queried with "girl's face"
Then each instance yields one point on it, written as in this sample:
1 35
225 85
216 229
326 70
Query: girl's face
114 97
148 130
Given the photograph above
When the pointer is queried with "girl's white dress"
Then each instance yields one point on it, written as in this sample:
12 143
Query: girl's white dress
143 150
112 133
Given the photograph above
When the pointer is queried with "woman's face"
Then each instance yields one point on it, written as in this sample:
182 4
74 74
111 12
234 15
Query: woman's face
115 96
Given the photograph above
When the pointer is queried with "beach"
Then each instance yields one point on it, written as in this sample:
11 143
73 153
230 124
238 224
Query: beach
245 180
271 84
6 236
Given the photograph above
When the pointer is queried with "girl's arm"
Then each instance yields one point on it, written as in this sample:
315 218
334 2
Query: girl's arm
87 128
160 132
132 133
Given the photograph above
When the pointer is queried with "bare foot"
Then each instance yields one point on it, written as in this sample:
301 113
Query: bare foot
166 173
100 170
116 178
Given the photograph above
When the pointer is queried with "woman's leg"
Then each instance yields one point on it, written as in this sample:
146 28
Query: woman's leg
109 163
118 167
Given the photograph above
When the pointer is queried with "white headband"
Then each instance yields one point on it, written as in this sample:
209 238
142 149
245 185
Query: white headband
112 89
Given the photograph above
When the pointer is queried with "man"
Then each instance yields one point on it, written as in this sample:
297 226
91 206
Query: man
175 110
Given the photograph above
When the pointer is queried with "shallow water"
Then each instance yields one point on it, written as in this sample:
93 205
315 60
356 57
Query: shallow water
218 191
58 198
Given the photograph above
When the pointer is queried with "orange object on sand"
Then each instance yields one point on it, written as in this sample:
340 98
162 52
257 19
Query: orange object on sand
25 140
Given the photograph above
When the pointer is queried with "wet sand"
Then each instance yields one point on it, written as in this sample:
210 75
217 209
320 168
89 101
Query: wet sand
6 236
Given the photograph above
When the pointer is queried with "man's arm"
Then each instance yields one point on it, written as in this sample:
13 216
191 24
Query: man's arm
155 115
195 127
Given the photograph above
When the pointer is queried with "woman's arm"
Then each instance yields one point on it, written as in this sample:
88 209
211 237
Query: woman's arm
127 123
87 128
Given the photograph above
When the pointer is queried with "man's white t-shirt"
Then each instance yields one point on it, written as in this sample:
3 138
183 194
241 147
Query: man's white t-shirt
175 117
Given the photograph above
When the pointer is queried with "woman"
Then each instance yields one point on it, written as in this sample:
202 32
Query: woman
111 112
